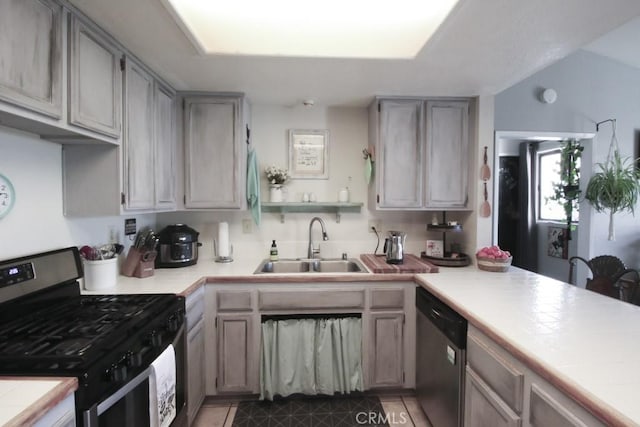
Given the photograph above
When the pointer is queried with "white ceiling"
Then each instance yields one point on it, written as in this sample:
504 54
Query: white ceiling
483 47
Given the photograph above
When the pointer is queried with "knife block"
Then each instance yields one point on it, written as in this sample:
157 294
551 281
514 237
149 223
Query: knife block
139 263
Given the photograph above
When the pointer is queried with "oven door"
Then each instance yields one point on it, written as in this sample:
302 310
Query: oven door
129 405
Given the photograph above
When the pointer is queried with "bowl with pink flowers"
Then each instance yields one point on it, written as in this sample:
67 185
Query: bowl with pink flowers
492 258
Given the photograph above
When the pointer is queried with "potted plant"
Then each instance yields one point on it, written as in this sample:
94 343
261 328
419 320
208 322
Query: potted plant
276 176
615 187
567 191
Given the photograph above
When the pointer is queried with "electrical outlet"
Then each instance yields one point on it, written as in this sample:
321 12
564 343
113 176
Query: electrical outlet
376 223
129 226
247 226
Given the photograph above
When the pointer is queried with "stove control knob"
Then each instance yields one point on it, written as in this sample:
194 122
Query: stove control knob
173 323
133 360
155 339
117 373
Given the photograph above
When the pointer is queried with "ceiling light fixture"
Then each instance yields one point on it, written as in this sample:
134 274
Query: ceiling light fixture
331 28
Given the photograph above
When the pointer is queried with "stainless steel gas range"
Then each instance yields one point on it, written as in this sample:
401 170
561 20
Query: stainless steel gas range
108 342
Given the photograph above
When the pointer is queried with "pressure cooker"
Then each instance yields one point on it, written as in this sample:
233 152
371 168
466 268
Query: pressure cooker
177 246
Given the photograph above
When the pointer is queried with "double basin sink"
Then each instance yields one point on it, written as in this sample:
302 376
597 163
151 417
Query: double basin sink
335 265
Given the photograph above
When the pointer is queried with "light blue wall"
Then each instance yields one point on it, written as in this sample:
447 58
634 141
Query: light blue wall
590 88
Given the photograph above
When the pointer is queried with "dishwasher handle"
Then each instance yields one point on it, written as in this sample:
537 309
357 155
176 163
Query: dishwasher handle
443 317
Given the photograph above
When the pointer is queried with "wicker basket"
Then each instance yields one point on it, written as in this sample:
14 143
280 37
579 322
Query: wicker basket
495 265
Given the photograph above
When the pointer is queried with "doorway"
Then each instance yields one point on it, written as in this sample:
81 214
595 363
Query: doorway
517 226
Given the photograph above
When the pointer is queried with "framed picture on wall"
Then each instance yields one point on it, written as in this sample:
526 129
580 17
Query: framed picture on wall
309 154
558 245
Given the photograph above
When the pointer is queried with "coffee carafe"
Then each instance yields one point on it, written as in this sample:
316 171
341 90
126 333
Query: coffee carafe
394 247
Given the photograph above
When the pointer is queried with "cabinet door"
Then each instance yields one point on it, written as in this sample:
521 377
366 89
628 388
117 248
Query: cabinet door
195 370
483 407
31 53
213 150
447 160
547 411
95 81
165 148
235 353
400 154
386 349
139 172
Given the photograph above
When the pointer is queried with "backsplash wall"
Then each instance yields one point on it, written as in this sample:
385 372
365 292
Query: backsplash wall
36 222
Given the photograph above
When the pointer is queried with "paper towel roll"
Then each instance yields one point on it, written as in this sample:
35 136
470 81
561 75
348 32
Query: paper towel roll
223 239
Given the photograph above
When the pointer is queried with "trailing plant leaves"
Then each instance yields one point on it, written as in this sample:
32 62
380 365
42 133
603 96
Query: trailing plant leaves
615 187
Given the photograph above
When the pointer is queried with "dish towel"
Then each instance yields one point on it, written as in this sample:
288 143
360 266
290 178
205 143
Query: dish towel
253 186
368 170
162 389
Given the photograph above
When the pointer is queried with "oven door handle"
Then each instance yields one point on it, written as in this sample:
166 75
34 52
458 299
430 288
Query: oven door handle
90 416
115 397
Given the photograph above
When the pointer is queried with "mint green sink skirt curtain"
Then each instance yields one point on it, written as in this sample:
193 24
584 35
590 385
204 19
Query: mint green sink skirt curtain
311 356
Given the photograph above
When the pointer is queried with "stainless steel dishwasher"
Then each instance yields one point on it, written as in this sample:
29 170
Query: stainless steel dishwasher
441 336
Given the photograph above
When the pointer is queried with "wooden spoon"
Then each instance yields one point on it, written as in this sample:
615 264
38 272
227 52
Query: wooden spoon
485 171
485 207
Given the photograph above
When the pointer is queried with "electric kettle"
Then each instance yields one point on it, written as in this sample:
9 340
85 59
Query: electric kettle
394 247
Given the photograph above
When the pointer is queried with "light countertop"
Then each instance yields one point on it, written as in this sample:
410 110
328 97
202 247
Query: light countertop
585 343
25 400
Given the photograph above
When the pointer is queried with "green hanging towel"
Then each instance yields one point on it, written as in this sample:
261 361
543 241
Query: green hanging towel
253 186
368 170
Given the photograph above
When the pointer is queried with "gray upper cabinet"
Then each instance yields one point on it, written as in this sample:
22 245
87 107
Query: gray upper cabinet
400 156
95 81
421 147
139 150
165 148
31 52
214 152
447 153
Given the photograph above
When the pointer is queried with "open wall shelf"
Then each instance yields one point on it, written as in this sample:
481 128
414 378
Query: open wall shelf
336 208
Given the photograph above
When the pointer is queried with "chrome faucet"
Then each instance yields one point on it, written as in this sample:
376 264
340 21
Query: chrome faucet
312 252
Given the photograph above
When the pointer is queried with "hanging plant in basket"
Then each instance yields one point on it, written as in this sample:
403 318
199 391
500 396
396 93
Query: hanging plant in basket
567 191
615 187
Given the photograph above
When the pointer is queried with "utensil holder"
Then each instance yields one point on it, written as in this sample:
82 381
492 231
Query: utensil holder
100 274
139 263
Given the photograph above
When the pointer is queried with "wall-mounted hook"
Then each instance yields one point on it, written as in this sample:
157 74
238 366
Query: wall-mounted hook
613 124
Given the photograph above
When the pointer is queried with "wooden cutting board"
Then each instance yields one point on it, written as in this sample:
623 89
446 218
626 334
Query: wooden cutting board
411 265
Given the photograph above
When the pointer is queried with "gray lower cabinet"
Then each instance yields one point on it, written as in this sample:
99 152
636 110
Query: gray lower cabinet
195 360
237 353
502 391
233 328
385 349
95 81
31 52
195 370
61 415
421 146
215 153
483 406
547 411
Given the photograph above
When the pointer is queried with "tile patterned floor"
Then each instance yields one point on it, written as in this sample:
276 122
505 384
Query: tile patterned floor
400 411
311 412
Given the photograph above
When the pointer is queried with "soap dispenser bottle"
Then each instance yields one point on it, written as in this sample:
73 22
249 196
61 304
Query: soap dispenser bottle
273 253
